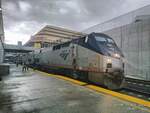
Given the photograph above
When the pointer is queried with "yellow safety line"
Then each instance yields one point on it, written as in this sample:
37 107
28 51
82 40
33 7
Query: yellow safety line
65 78
71 80
106 91
121 96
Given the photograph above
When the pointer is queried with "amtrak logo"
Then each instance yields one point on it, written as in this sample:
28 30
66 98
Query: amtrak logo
64 54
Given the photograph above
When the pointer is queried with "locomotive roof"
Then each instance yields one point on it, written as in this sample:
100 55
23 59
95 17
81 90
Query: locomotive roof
83 36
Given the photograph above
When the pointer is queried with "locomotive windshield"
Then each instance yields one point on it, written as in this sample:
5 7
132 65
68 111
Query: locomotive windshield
104 40
107 45
101 39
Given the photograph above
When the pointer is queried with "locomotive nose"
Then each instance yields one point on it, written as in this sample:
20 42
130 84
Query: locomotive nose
114 73
114 65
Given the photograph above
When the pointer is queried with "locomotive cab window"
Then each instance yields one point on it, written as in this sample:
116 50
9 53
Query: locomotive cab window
100 39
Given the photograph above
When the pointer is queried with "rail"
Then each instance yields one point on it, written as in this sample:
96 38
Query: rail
140 86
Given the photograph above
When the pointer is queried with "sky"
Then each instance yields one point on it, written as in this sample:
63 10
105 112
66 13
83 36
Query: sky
23 18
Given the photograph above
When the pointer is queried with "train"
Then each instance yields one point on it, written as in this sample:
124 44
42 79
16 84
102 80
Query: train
94 57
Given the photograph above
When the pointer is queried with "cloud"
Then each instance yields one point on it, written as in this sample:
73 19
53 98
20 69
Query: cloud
63 11
24 6
22 31
23 18
74 6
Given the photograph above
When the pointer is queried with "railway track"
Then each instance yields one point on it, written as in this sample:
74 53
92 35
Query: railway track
137 88
141 86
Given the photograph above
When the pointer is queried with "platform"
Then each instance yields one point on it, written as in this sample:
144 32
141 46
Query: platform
34 92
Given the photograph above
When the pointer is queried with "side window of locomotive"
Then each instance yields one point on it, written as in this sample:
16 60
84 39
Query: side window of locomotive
110 41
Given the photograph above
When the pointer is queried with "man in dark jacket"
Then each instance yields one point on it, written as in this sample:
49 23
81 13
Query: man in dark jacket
24 66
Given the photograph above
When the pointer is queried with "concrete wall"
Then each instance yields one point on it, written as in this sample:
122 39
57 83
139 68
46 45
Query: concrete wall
134 40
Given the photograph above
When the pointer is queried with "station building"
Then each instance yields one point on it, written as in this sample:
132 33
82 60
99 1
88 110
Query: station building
51 35
131 32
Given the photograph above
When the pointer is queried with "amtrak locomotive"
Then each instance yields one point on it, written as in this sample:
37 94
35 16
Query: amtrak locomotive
94 57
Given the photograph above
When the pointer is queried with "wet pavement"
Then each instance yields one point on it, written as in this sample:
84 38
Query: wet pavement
33 92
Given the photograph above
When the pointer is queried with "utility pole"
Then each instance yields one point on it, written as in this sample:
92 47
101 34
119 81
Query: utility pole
1 35
1 21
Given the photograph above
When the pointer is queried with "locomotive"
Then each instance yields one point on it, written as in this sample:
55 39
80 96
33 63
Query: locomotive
94 57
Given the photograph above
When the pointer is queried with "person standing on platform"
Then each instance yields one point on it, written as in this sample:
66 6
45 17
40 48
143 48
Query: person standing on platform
23 66
27 64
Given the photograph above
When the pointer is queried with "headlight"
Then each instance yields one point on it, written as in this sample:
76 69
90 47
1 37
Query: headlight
109 60
116 55
109 63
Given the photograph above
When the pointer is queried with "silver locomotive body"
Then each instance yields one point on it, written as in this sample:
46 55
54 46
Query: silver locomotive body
82 59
